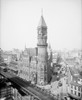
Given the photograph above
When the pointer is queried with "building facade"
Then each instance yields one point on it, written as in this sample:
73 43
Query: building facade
74 84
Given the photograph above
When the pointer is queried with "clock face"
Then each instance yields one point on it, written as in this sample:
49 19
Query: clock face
42 32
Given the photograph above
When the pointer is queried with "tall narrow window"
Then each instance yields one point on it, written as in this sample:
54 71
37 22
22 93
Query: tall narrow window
78 94
78 88
72 91
75 92
75 87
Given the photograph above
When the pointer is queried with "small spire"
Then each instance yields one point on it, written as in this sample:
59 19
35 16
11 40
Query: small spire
42 21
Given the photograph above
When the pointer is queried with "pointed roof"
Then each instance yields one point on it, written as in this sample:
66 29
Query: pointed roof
42 22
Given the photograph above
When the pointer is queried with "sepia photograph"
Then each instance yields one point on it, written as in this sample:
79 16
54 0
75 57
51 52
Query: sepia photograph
40 49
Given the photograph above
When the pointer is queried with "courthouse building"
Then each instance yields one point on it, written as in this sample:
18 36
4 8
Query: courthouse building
34 64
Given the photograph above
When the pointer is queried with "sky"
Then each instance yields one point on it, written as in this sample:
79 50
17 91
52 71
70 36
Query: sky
19 20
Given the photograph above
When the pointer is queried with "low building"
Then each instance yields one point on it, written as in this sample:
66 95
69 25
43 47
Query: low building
74 82
69 85
5 90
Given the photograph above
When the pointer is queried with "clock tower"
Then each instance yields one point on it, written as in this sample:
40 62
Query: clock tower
42 68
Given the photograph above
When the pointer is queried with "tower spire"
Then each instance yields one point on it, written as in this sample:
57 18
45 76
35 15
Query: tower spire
42 21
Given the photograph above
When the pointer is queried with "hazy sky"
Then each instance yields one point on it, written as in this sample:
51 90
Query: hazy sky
19 20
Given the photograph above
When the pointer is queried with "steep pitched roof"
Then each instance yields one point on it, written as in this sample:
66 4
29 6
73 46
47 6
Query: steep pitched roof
42 22
75 73
30 51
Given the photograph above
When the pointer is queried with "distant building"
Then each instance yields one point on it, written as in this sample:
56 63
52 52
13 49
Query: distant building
1 57
17 53
7 57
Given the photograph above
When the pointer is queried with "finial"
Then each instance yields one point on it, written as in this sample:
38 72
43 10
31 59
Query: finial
42 12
